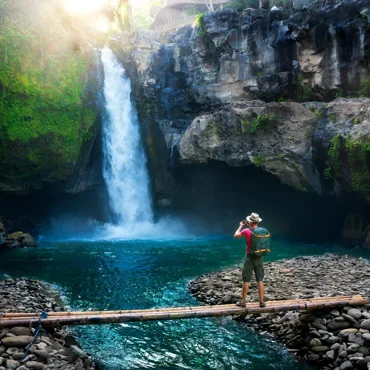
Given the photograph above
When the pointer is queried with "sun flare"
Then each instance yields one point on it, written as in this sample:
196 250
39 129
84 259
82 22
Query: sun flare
83 6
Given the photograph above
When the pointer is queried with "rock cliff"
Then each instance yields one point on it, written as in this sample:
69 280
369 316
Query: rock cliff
263 88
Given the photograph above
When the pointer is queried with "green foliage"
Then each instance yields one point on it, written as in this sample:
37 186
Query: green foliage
258 161
287 4
319 113
43 84
200 24
240 5
358 154
365 88
356 121
304 92
340 93
333 162
282 99
258 122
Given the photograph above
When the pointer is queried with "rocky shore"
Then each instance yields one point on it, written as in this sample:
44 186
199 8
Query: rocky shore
327 339
52 349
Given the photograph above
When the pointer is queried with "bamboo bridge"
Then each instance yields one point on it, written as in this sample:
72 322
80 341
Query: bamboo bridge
56 319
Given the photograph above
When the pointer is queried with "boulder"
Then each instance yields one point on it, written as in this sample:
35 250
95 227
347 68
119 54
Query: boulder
25 239
315 342
346 365
35 365
11 364
312 357
319 349
338 325
17 341
21 330
366 324
355 313
348 331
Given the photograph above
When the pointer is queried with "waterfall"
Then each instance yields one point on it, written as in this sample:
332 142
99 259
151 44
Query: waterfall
125 170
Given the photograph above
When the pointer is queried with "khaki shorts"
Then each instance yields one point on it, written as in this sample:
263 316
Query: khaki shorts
253 263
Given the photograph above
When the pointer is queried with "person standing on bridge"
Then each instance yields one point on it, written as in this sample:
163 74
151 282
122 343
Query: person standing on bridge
258 245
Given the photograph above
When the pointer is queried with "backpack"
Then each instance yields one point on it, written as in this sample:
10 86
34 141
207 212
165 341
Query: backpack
260 242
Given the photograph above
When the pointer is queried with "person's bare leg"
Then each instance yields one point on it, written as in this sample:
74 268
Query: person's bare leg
245 291
261 291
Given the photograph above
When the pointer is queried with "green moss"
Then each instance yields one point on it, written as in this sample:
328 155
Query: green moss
365 88
258 161
333 162
304 92
356 121
257 123
339 93
200 24
358 153
319 114
43 94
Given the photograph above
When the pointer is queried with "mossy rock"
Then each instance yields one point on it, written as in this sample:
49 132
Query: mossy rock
47 96
25 239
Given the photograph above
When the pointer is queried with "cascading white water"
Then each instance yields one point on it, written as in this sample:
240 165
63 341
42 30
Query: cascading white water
125 170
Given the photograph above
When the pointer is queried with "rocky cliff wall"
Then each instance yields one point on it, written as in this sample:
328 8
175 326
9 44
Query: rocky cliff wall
258 88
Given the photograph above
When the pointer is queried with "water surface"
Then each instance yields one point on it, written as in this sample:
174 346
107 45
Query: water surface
145 274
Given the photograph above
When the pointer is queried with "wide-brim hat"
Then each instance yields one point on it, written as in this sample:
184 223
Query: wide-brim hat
255 218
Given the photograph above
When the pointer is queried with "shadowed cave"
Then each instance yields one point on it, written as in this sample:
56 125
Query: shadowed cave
217 197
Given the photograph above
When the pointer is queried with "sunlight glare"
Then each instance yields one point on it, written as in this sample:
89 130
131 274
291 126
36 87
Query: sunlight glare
83 6
102 24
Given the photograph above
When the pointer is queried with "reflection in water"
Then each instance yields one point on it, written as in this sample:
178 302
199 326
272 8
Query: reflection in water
144 274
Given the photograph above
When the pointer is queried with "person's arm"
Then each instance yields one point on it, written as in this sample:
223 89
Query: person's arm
238 233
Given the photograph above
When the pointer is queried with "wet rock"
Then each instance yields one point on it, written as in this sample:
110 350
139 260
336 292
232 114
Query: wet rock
11 364
355 313
346 365
337 325
332 339
78 352
312 357
319 349
366 324
24 295
35 365
24 239
366 336
315 342
335 346
307 317
363 363
18 341
21 330
348 331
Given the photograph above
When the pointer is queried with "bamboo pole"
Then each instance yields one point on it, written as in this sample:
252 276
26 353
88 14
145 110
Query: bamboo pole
8 316
182 313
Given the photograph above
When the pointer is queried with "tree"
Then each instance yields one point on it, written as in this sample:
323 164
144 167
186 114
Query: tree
123 14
